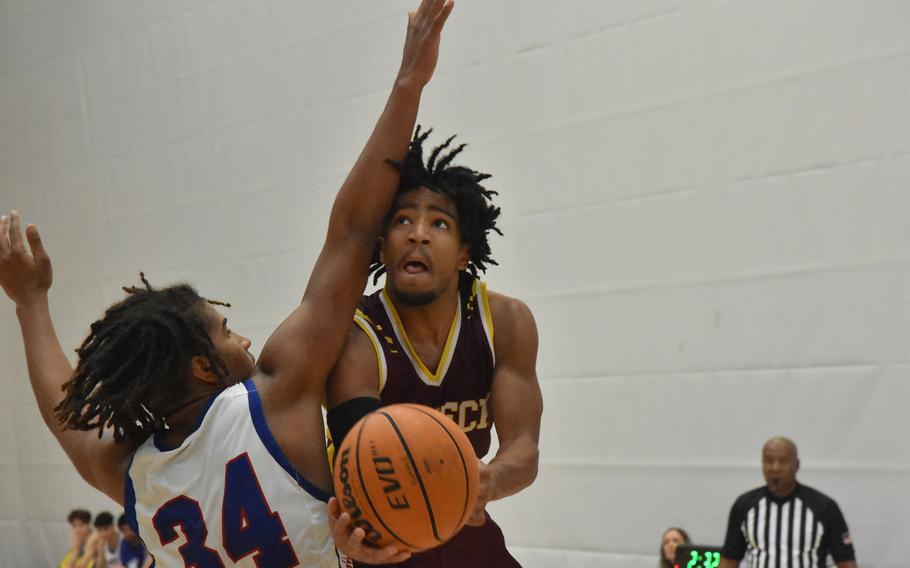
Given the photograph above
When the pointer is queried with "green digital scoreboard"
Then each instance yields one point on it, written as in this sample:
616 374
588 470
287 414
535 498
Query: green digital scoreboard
697 556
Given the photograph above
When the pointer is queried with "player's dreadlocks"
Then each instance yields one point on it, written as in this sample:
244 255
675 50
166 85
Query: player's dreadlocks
132 366
476 216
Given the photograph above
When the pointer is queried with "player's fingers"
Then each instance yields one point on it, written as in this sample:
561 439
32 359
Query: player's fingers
15 231
396 558
392 555
429 9
355 539
35 244
444 14
477 518
333 508
422 7
341 528
4 235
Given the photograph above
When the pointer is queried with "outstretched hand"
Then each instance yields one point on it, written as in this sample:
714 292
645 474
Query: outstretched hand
421 46
24 276
349 540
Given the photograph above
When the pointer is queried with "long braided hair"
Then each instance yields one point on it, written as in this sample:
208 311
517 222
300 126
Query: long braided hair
133 365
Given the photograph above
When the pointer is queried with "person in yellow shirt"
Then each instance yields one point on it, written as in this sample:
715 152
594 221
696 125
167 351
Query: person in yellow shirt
78 555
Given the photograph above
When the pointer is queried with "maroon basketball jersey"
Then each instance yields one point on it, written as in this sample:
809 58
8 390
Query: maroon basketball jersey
460 385
460 388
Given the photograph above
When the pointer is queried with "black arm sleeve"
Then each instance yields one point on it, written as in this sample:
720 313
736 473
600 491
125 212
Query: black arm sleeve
344 416
735 541
839 542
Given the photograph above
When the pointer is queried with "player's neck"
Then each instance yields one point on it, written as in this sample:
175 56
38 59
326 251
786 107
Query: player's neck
183 421
430 322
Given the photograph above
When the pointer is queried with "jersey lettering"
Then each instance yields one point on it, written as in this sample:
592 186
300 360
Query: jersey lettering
248 523
185 513
468 414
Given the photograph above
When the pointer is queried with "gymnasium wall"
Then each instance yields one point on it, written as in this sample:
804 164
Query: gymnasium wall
705 205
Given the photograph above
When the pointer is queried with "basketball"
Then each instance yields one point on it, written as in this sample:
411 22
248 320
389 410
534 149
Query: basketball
408 476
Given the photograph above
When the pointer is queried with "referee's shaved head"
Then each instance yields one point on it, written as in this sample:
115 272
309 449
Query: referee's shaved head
781 441
780 463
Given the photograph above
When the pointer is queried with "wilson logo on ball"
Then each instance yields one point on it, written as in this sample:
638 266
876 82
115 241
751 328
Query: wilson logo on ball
350 502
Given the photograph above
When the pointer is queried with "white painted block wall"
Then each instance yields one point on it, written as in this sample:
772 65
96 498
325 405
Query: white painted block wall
705 205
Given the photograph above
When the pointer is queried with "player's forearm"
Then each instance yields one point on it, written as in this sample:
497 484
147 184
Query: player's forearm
727 563
513 468
48 367
370 187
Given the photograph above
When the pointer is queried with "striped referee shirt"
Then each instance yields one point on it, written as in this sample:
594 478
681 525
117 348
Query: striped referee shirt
796 531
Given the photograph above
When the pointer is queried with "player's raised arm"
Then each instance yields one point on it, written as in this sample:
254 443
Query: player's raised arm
26 277
307 343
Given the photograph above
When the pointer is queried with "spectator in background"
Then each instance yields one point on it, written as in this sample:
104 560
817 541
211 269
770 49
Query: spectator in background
673 537
105 543
80 522
132 551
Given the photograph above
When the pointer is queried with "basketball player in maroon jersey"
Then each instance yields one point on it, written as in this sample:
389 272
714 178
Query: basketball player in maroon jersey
435 336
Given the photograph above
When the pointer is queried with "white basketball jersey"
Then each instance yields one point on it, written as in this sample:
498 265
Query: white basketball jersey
227 496
112 555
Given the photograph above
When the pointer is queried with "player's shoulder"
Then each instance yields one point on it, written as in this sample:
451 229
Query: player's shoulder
516 330
508 308
362 333
361 346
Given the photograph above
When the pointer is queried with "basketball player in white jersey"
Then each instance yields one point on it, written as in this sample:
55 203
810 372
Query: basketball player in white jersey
219 461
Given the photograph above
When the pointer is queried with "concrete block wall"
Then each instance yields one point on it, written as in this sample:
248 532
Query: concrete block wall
704 205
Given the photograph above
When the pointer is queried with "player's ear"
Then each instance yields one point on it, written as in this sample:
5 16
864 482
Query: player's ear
380 242
202 369
464 258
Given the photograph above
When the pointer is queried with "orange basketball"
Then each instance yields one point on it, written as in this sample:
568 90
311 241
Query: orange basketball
408 476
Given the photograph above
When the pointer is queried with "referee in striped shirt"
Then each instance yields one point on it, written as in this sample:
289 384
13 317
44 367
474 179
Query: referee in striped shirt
785 524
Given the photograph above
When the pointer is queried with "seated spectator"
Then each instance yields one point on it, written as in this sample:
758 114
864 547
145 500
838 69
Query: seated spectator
105 543
132 552
673 537
80 530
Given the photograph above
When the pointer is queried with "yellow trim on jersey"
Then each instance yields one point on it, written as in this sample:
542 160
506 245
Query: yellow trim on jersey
432 379
365 324
486 315
362 322
330 450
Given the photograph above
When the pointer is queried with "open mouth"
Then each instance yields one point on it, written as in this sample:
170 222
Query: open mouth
415 267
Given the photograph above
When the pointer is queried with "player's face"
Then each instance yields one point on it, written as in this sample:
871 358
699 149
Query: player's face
128 534
779 464
671 540
232 347
81 530
106 532
422 249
